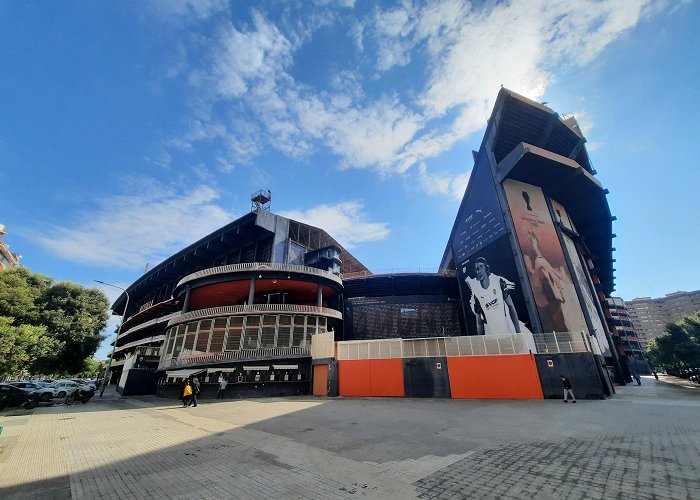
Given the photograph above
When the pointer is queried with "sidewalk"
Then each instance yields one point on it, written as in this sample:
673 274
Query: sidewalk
642 443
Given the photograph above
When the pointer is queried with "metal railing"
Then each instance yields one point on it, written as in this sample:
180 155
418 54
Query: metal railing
254 309
565 342
481 345
242 355
148 323
259 266
147 351
400 270
473 345
147 340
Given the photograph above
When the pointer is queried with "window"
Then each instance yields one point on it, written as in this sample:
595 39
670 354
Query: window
179 337
284 331
217 335
189 336
252 332
235 329
298 330
267 336
171 340
203 335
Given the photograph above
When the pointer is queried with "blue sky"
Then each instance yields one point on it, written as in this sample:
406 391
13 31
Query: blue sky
130 129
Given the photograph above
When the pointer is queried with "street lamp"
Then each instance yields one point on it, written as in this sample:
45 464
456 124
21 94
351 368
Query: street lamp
119 331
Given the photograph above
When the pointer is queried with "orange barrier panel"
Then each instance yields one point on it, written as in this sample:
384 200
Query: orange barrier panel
494 377
354 378
386 377
320 380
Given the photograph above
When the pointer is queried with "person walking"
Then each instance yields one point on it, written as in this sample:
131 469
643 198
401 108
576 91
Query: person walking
186 394
222 388
567 389
195 390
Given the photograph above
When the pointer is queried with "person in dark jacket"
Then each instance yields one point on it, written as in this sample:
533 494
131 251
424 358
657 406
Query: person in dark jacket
195 390
567 389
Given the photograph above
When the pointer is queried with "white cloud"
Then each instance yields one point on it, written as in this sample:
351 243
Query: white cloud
248 57
442 183
130 230
460 52
345 221
190 9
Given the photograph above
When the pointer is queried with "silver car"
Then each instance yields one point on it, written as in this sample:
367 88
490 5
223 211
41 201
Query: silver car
45 391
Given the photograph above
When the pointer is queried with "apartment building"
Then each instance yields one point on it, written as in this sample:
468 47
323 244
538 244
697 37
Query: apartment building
651 315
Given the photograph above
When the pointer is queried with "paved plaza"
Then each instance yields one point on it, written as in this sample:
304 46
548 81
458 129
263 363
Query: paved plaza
642 443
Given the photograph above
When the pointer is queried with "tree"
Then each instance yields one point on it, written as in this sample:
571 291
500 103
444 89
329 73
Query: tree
679 346
70 315
21 345
92 368
75 316
20 290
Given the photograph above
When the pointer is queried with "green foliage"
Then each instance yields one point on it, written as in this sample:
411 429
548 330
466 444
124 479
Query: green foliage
678 346
20 290
23 344
91 368
70 316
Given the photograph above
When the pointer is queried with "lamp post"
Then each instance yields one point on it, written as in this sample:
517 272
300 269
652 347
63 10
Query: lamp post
119 331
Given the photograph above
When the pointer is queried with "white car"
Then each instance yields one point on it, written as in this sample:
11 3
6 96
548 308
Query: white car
65 387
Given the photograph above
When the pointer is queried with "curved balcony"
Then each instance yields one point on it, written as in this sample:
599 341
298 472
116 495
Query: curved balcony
258 267
147 324
255 309
148 340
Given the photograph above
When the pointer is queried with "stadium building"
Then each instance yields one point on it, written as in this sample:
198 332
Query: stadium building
278 307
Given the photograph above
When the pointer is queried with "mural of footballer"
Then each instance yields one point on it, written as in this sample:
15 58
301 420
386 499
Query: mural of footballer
491 302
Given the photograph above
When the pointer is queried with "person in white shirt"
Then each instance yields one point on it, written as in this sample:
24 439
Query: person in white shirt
496 312
222 388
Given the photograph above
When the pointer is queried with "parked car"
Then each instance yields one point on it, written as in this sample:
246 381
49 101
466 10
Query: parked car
12 396
45 391
65 387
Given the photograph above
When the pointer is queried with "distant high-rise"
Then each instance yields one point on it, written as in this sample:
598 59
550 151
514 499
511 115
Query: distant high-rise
8 260
650 316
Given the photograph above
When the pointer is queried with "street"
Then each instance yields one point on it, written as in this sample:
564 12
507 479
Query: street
642 443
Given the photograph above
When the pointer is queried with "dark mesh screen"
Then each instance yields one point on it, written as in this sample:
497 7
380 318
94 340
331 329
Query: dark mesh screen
377 319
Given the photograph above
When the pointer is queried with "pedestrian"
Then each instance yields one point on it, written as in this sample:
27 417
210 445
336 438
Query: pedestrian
567 389
195 390
222 388
656 375
186 394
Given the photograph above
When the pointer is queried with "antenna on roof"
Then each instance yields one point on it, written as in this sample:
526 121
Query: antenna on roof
261 200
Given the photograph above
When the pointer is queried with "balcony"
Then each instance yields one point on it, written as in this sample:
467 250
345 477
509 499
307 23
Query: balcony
255 309
211 358
259 267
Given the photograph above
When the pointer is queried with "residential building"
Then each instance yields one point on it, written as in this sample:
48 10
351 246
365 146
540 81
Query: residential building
651 315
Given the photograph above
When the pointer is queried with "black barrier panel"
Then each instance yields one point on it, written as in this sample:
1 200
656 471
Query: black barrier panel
139 382
426 378
243 390
581 370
